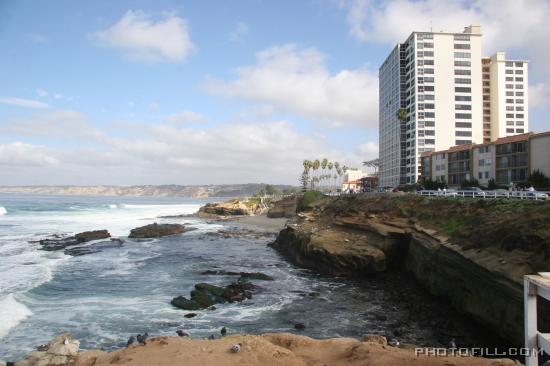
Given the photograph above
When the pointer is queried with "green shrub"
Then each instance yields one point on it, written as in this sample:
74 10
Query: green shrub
308 199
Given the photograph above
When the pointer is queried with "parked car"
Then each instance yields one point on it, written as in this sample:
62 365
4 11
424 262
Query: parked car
499 193
537 195
450 193
471 192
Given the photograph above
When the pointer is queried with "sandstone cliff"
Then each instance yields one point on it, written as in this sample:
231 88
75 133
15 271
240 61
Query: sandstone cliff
473 253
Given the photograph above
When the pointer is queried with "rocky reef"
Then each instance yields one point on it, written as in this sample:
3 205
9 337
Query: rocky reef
156 231
206 295
473 253
61 242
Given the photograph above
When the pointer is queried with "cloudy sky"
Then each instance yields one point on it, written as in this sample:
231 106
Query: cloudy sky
196 92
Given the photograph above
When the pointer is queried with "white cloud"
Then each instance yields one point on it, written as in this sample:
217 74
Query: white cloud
18 154
185 117
41 92
239 32
297 80
539 95
20 102
368 150
506 24
58 96
231 152
55 124
142 38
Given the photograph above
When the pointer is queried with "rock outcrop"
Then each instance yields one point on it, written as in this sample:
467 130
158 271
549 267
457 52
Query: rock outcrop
156 231
243 275
285 207
358 236
62 350
205 295
273 349
233 207
61 242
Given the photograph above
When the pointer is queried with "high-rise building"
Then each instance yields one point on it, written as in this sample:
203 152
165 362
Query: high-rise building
436 91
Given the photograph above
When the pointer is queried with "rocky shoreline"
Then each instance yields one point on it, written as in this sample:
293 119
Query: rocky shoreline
364 235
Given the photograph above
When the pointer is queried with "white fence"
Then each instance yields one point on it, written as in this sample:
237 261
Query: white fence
534 286
524 195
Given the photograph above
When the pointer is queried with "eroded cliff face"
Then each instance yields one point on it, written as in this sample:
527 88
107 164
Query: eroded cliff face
358 237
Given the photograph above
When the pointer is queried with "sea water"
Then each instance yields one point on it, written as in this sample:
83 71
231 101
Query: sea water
102 298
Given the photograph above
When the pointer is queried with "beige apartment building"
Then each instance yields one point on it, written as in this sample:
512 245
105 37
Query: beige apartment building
506 160
449 95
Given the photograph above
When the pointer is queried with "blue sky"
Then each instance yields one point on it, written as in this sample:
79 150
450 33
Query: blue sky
195 92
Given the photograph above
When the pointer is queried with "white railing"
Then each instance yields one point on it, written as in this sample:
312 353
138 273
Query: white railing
534 286
524 195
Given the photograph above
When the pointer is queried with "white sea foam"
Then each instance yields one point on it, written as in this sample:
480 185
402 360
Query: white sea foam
113 206
3 211
12 313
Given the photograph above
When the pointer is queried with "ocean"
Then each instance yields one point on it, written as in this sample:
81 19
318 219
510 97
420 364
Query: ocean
104 297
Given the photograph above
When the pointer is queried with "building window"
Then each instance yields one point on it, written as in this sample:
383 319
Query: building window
519 94
510 71
460 63
461 37
463 98
519 72
509 64
462 81
519 130
463 107
519 64
509 86
519 79
509 130
463 90
463 133
509 78
428 45
463 115
480 175
462 55
519 101
509 93
519 86
462 72
462 46
462 142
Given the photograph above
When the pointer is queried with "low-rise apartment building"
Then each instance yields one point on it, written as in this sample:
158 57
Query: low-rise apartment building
506 160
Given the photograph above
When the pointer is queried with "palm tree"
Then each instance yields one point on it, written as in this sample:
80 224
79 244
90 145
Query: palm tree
329 166
375 163
315 167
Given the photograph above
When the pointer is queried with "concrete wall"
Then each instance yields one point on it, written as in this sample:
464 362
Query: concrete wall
540 153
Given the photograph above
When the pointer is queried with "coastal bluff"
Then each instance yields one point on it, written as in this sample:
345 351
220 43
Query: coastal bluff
271 349
472 253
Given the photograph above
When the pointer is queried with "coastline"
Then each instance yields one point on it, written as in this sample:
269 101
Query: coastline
271 349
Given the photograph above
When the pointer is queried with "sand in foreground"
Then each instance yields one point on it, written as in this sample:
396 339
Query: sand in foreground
270 350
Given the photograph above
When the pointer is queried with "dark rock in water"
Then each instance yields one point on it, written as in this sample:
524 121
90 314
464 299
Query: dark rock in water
157 230
92 235
59 242
205 295
93 248
131 341
223 331
188 315
247 275
181 333
186 304
142 338
300 326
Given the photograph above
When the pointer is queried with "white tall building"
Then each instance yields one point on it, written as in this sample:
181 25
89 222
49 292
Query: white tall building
439 82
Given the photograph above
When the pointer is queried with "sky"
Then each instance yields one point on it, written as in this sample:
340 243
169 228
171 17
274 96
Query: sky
210 92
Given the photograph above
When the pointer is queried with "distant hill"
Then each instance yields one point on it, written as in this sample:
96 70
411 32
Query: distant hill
213 190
